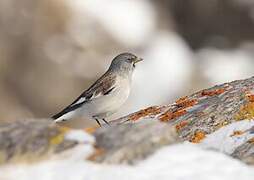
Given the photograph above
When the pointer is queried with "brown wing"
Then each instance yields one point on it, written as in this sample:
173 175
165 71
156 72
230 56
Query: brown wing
103 86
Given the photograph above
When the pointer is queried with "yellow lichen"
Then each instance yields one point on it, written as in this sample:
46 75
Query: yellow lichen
221 124
58 139
246 112
63 129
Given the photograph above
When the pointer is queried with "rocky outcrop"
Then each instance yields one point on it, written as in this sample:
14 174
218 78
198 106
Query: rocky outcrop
138 135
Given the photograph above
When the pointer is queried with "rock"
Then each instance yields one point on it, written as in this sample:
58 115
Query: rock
133 138
32 140
130 143
245 152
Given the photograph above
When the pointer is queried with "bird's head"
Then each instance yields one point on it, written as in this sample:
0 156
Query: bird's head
125 62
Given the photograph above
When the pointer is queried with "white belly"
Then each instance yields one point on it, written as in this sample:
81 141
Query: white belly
106 105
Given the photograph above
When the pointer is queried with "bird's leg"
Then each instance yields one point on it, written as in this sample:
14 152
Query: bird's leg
104 120
97 121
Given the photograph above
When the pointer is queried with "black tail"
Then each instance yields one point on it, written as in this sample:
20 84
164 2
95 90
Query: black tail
67 110
56 116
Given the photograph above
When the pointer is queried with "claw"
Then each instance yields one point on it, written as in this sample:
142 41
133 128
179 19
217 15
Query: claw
104 120
97 120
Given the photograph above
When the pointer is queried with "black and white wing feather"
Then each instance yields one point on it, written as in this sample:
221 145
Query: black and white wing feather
102 87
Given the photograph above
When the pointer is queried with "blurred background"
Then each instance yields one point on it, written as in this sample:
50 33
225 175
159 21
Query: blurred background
51 50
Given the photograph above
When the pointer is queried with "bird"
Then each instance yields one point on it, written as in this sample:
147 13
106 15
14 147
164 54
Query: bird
106 95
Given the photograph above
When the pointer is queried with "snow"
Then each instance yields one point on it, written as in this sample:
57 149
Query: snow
223 140
177 162
83 150
79 136
185 161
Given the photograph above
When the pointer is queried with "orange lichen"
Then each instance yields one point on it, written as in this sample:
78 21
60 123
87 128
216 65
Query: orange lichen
236 133
251 141
154 110
246 112
166 116
213 92
250 97
198 137
180 125
181 105
91 130
97 152
182 99
169 115
185 102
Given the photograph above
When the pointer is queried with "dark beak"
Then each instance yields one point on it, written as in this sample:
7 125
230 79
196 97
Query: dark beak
137 60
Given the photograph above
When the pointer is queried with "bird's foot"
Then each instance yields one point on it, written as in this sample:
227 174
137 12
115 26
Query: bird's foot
104 120
98 122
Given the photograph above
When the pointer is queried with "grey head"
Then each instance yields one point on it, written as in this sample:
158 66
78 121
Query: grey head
124 63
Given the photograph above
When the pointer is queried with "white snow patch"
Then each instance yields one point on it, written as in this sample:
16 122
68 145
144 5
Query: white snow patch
223 140
79 152
182 161
80 136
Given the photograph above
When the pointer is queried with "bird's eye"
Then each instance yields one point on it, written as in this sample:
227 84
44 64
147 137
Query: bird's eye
129 59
